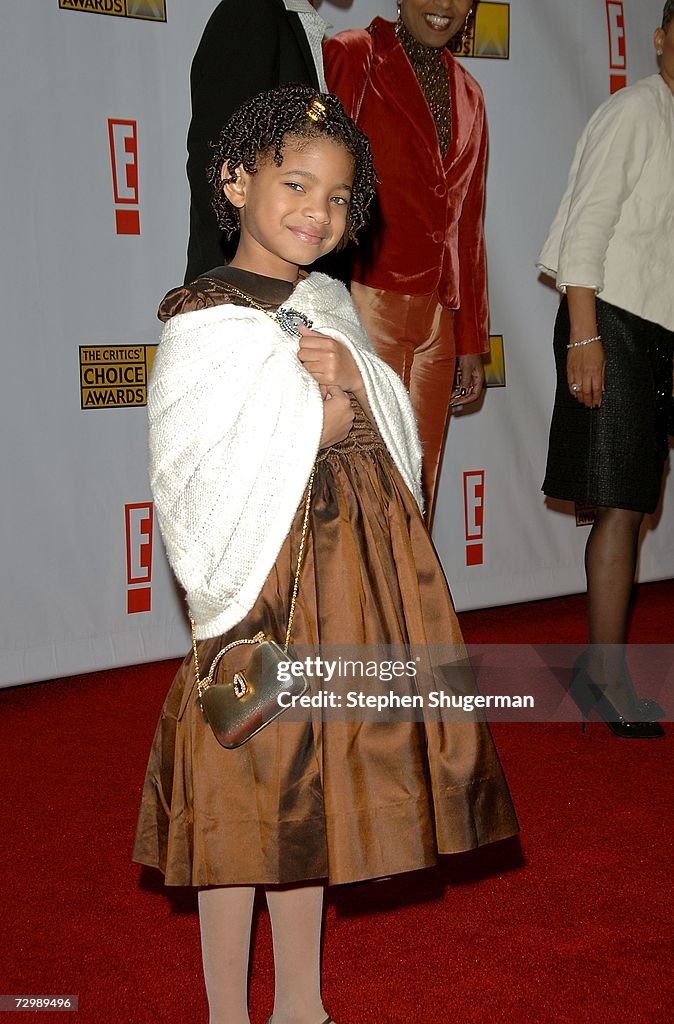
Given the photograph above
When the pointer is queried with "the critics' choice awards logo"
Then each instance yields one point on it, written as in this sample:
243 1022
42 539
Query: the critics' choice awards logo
617 45
585 514
494 367
139 519
473 508
123 138
146 10
114 377
489 34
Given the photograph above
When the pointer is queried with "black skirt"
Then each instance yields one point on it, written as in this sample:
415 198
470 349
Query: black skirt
613 456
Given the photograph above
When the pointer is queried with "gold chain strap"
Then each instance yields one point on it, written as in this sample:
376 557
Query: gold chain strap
203 684
249 299
300 556
285 317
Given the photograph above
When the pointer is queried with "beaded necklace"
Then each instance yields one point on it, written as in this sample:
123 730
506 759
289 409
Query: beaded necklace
431 74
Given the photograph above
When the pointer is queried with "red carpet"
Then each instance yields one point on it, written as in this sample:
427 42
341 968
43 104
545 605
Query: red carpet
573 924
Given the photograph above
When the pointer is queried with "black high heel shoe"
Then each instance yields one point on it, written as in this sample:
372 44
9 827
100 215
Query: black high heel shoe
589 696
650 709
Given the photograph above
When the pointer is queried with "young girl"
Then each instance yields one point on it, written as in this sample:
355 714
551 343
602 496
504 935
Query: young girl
240 414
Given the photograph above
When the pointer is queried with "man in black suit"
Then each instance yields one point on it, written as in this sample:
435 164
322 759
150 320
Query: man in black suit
247 46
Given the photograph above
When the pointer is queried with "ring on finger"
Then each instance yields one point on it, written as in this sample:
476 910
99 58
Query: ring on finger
575 387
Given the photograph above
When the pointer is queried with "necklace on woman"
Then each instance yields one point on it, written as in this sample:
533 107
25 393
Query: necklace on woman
431 74
287 318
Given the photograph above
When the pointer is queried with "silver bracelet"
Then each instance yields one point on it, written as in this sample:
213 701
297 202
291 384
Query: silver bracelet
585 341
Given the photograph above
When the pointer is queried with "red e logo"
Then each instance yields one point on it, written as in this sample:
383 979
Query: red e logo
473 507
617 46
139 520
124 160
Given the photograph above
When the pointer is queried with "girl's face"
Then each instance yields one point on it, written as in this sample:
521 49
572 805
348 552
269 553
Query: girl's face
434 22
292 214
664 42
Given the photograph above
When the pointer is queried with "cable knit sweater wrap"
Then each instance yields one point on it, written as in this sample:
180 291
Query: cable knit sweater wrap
235 424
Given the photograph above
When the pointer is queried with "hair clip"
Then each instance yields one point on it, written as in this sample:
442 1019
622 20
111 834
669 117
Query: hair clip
317 111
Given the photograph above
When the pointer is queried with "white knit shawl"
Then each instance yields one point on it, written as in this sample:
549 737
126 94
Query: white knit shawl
235 425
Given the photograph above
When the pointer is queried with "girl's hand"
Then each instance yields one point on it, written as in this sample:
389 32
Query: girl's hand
470 378
337 415
328 361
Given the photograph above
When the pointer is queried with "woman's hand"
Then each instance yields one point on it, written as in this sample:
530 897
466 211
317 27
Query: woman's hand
337 415
585 364
328 361
470 378
585 367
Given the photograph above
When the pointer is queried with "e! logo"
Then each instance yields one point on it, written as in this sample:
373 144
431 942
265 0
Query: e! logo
617 44
124 160
139 520
473 506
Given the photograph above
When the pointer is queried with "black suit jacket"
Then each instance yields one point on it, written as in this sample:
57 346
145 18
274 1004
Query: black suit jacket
248 46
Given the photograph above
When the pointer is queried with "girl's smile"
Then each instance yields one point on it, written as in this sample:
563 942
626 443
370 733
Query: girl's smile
292 214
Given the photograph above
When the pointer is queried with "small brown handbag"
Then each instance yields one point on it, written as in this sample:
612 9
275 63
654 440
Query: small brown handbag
238 708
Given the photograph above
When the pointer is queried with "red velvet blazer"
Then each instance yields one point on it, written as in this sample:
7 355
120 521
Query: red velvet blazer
427 233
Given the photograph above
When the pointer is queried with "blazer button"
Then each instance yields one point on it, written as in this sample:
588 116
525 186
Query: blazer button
437 236
440 191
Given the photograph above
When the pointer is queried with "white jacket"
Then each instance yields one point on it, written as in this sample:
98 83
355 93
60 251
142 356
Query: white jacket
614 230
235 425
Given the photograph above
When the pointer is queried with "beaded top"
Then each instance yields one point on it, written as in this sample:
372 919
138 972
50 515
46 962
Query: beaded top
431 74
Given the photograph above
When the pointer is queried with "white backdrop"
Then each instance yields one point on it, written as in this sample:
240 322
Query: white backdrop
85 584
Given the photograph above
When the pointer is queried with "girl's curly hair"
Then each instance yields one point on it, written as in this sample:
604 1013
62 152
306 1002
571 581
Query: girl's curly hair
262 125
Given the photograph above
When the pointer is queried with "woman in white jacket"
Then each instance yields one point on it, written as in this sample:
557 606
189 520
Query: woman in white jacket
611 250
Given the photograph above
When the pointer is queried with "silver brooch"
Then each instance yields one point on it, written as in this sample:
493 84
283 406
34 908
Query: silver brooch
289 320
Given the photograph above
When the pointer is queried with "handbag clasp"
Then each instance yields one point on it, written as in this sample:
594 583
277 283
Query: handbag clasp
240 685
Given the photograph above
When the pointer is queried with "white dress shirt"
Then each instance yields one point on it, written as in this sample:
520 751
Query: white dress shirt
614 230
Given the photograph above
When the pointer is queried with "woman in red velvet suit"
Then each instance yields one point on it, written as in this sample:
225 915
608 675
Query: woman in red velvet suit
419 280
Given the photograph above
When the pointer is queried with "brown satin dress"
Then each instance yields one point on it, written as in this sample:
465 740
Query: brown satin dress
341 801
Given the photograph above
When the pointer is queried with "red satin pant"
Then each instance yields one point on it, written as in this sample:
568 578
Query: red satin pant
414 334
